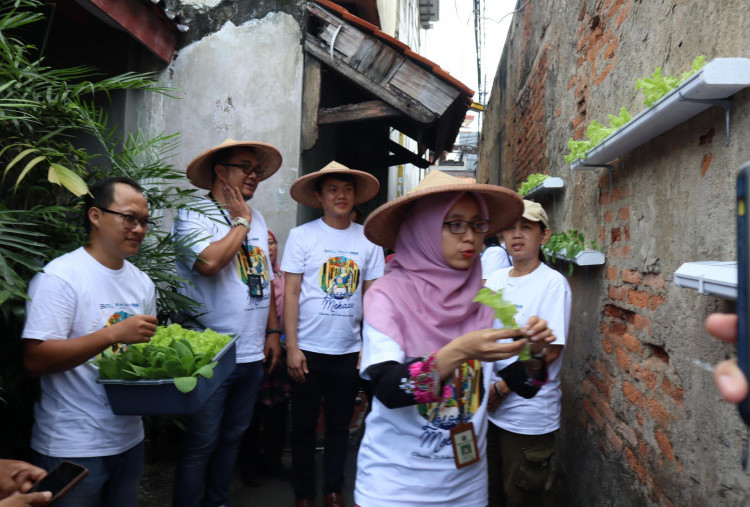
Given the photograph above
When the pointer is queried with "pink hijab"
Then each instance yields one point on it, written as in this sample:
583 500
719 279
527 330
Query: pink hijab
423 303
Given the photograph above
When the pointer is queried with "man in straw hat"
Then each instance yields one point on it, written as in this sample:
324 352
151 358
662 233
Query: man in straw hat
230 275
329 264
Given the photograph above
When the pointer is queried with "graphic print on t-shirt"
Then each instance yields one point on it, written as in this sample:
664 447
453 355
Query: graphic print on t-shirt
258 266
441 416
339 277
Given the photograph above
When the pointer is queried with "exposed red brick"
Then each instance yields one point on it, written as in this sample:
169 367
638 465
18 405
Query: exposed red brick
631 393
579 133
587 387
609 216
640 419
623 359
603 234
642 323
657 412
619 252
593 414
630 342
601 77
707 158
622 15
638 298
598 383
615 235
634 464
618 293
657 301
631 276
605 410
614 440
644 375
677 393
624 213
643 451
620 192
612 272
609 52
607 345
654 280
572 82
613 9
707 138
558 112
626 232
664 444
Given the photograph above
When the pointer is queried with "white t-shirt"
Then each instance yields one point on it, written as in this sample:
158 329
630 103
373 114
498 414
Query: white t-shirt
74 296
493 258
334 263
545 293
227 305
406 457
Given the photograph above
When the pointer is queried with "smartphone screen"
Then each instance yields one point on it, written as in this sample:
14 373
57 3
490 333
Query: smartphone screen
743 279
61 479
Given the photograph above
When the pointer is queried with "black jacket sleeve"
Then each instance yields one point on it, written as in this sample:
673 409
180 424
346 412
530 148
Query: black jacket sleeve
390 383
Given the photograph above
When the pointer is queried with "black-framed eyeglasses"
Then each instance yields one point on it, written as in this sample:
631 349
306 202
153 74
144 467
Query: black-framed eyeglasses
131 221
247 168
461 226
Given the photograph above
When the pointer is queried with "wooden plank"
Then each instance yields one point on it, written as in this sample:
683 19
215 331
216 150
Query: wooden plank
425 87
406 155
348 39
375 59
310 103
410 108
370 110
136 19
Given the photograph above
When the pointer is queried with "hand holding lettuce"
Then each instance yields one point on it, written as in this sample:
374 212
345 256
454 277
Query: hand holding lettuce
505 312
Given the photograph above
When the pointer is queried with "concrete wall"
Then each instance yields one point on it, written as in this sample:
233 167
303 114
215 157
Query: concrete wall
642 421
242 82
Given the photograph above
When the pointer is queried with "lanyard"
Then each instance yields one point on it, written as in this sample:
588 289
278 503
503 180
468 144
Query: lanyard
245 246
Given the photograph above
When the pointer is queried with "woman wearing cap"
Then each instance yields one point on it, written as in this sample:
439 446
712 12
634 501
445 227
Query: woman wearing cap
424 339
521 436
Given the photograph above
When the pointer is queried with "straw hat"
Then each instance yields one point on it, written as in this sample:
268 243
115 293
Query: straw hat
303 190
199 169
505 206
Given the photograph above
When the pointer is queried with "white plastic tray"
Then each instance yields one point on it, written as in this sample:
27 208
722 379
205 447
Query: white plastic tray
709 277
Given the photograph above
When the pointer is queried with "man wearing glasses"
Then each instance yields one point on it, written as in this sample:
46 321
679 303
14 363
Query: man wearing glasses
230 274
80 304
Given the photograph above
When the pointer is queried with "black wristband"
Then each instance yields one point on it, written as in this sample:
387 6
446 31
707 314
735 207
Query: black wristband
497 391
272 331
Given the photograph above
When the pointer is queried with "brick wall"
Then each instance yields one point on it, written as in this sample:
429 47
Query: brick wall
642 422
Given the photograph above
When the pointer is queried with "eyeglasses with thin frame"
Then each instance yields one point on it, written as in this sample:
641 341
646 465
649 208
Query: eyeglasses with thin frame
247 168
461 226
130 221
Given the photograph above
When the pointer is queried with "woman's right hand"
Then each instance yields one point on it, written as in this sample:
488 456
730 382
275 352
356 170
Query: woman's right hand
480 344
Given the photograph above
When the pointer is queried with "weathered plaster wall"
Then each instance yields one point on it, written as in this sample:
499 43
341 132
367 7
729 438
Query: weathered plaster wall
642 421
242 82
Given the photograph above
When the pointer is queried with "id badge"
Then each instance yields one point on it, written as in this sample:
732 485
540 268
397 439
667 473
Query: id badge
464 440
254 286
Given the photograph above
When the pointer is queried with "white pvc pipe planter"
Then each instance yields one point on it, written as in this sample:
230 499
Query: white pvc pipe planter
550 184
718 79
584 258
713 278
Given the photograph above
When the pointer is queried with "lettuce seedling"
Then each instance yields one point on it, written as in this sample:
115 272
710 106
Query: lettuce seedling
505 311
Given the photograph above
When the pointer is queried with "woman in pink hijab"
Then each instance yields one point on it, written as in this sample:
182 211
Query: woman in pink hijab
424 340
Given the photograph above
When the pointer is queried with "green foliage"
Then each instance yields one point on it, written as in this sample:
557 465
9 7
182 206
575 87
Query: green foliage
566 245
504 310
531 182
173 352
653 88
46 115
658 85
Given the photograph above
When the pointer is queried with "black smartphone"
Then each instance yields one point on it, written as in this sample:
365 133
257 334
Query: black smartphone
61 479
743 279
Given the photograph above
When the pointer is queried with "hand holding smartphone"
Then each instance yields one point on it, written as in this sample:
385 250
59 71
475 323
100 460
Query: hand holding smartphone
61 479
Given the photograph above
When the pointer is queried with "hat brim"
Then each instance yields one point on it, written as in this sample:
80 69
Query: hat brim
200 168
504 205
366 186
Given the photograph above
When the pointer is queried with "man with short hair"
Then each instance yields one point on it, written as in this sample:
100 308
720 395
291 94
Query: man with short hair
80 304
328 264
230 276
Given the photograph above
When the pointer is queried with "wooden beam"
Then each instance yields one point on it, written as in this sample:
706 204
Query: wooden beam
370 110
405 155
410 108
311 86
136 19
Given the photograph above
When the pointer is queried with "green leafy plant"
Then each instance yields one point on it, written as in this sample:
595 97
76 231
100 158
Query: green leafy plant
653 88
173 352
531 182
505 311
566 245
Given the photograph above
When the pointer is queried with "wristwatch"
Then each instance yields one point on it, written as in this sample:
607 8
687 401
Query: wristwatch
240 221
